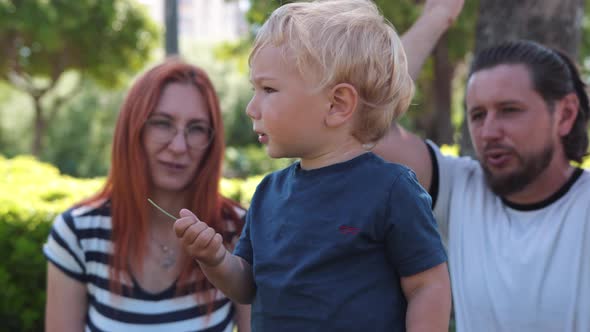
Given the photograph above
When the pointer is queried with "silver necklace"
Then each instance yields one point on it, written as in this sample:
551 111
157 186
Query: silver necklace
168 259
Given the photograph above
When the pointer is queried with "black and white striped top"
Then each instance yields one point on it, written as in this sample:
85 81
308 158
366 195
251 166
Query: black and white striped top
79 245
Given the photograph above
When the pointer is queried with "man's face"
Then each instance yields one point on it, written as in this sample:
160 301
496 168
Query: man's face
511 126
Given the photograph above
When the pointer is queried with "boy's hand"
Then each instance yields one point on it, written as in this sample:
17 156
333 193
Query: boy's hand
199 240
447 9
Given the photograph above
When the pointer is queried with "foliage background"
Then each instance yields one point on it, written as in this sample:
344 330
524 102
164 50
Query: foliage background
32 194
76 154
78 140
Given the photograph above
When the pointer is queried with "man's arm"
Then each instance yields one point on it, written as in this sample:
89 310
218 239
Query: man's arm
399 145
429 300
403 147
420 39
229 273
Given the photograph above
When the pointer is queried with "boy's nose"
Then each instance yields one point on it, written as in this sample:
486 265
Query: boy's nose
251 110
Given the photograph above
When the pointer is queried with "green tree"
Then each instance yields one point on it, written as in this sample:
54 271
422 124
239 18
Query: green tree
585 42
14 117
430 114
81 144
546 22
43 40
235 91
437 111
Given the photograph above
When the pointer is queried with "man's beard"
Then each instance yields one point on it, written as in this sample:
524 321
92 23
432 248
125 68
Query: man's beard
531 167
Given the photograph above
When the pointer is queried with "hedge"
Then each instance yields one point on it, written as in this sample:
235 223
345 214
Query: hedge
31 195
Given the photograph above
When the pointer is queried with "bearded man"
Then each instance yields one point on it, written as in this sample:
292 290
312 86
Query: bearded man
516 221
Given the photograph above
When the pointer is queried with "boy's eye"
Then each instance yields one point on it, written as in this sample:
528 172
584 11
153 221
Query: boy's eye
268 89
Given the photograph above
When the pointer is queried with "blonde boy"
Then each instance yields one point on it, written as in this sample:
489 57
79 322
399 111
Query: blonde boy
340 240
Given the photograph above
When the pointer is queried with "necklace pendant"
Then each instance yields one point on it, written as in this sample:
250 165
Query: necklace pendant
166 254
168 262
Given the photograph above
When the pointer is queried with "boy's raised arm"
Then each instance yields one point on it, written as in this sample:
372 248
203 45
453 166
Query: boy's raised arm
399 145
229 273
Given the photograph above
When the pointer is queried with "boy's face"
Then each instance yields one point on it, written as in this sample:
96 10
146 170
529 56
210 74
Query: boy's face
286 111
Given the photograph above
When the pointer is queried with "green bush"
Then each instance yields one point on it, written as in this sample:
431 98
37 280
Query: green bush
252 159
31 195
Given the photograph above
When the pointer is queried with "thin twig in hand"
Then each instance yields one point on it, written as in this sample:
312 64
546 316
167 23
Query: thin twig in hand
163 211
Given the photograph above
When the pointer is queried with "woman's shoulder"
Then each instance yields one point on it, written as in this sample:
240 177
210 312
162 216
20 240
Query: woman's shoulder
86 216
100 207
74 233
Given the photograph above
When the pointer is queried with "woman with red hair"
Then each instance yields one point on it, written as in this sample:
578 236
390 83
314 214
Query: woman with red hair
114 262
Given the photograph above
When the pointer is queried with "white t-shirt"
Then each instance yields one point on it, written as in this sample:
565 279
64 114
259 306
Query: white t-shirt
514 268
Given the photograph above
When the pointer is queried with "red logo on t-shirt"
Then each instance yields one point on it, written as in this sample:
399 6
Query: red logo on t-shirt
348 230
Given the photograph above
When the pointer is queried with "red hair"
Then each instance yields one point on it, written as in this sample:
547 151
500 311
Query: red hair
127 185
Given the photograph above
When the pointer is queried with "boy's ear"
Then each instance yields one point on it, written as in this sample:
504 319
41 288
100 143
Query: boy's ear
344 101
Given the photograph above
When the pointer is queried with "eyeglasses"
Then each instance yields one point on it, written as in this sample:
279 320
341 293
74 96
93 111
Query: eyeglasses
197 135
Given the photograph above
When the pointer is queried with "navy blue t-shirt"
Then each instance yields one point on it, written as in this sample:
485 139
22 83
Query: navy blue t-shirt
328 246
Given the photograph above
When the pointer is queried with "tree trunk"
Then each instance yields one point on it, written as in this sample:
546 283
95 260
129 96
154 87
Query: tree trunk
555 23
440 129
171 23
40 126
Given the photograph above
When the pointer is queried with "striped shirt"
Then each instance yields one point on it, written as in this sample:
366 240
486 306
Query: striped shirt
79 245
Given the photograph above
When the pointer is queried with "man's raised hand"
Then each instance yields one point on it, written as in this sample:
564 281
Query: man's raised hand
447 9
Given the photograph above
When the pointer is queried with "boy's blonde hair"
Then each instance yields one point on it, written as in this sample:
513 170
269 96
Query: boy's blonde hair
345 41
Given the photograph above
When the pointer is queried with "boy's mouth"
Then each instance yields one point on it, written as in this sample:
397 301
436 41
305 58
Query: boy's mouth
262 137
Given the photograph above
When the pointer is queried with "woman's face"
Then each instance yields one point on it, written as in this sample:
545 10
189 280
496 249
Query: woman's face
176 136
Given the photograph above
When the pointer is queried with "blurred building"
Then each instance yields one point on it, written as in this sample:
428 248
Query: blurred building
205 20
